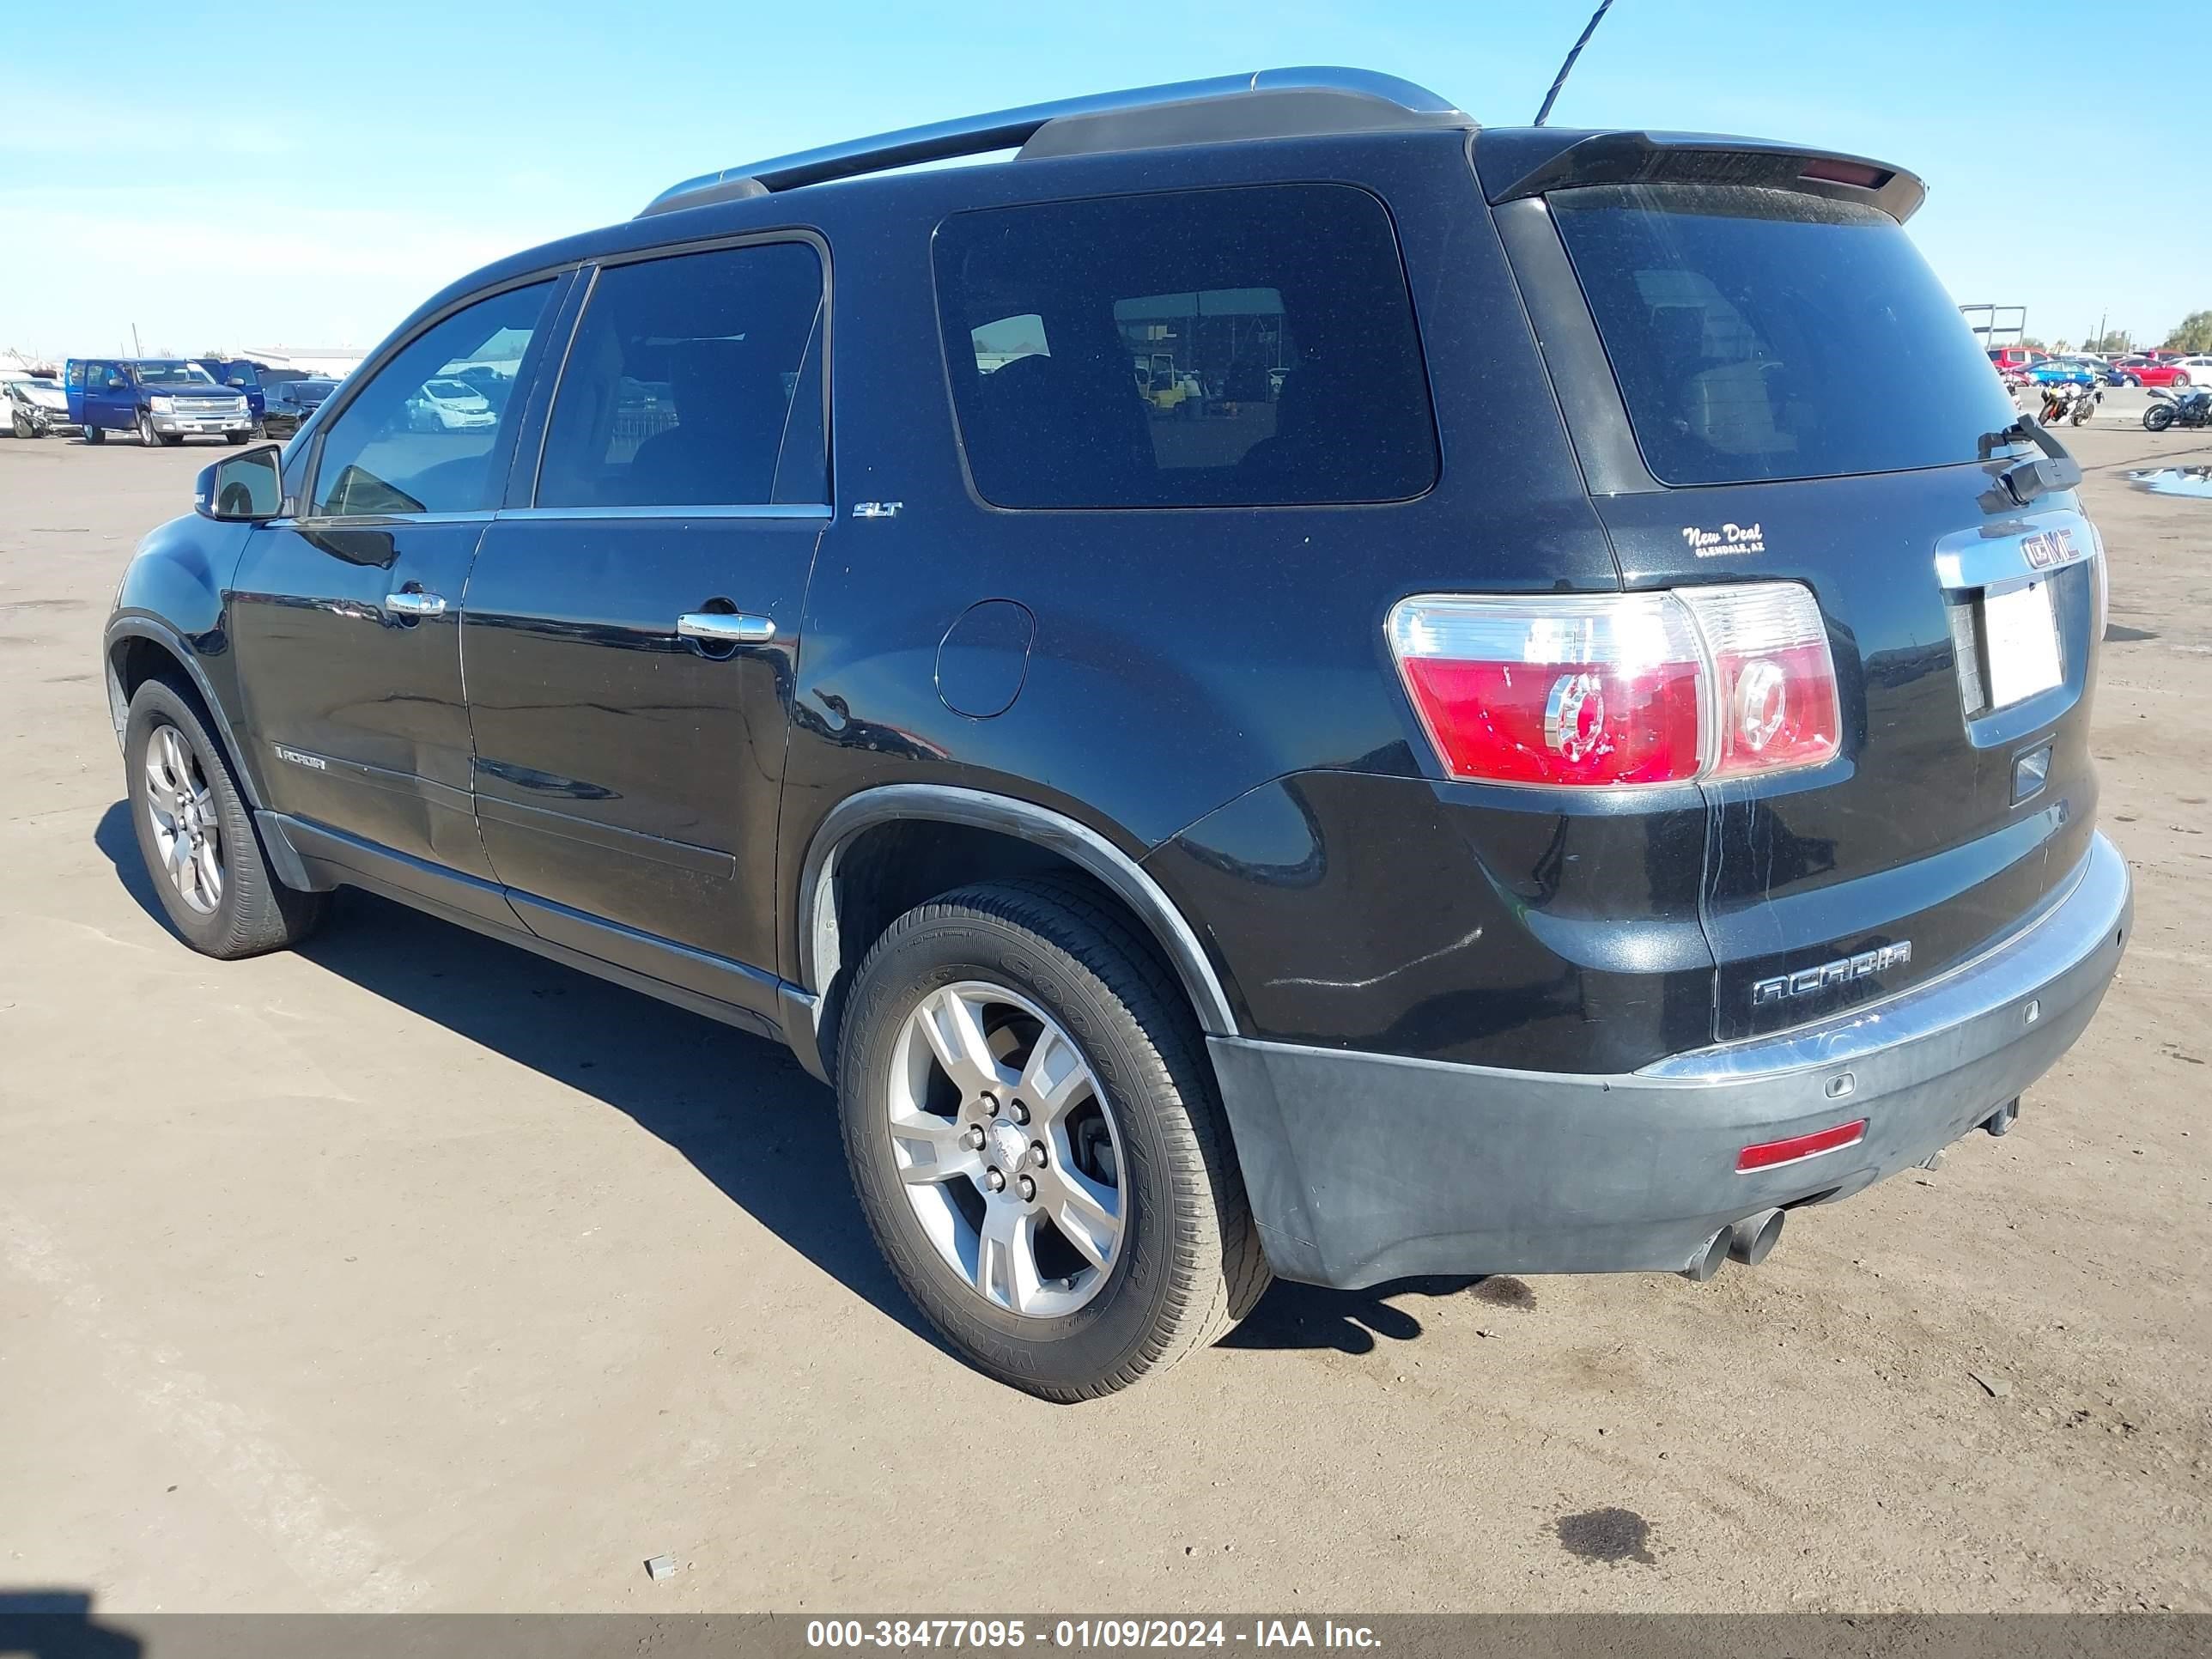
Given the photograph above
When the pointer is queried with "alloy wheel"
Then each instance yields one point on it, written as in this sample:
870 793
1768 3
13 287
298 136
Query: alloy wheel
186 833
1007 1149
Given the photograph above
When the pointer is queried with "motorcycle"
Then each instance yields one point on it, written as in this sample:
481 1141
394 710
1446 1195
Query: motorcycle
2187 408
2070 404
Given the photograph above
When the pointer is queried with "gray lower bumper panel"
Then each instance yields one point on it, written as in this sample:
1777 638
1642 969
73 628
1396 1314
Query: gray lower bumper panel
1364 1168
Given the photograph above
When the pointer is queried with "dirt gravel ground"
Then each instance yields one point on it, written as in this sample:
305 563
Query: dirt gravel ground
413 1272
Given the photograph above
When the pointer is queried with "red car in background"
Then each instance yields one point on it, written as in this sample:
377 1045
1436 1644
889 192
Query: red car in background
2152 369
2013 363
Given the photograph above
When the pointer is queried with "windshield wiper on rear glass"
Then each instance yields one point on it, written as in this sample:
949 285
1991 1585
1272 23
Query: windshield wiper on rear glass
2039 475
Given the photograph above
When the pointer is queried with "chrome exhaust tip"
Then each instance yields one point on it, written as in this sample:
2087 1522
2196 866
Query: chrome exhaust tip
1752 1239
1708 1260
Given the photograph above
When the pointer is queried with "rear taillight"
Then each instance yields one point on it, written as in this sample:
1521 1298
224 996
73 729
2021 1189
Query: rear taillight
1621 689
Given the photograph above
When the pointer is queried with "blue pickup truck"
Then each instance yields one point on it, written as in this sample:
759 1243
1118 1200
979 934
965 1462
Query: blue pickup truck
163 399
241 374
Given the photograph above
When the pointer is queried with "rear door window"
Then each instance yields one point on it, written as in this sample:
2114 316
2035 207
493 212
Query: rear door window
1763 334
1252 346
684 385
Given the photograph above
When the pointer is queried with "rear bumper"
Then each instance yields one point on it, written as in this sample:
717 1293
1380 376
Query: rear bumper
1365 1167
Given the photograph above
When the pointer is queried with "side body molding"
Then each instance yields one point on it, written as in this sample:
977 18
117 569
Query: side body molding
820 954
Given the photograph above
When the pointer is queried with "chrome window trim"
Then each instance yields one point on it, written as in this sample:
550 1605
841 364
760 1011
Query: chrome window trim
819 511
758 510
373 520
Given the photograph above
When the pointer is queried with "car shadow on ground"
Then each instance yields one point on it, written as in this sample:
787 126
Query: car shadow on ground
41 1623
737 1106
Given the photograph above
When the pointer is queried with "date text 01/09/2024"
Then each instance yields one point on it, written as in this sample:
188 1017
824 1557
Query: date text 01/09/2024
1082 1634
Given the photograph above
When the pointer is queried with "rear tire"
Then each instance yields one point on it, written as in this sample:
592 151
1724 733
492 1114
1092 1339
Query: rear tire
1074 1011
202 851
2158 418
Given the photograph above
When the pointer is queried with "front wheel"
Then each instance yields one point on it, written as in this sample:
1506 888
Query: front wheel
1030 1123
199 845
21 423
2158 418
94 434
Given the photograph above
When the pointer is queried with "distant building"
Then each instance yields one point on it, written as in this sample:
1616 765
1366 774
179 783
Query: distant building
333 360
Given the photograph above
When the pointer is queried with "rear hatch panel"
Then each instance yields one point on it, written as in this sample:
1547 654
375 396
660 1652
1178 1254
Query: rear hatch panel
1913 835
1764 382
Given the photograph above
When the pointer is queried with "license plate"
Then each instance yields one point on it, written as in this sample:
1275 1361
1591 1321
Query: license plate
2023 643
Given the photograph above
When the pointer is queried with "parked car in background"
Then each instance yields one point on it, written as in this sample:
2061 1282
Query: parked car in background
2013 363
2104 372
2150 368
1195 848
241 374
493 385
34 404
449 405
2061 371
164 400
2193 370
290 402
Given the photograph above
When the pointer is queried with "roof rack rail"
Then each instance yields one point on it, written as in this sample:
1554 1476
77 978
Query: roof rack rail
1290 103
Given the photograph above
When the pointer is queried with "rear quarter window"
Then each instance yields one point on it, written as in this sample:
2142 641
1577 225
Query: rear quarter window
1760 334
1250 346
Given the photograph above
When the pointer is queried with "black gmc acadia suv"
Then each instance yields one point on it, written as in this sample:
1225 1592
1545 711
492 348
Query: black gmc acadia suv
1277 685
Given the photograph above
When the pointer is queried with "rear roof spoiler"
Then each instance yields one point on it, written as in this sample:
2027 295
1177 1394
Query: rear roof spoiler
1533 161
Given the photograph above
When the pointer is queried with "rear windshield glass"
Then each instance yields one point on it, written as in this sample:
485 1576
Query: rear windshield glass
1251 346
1766 334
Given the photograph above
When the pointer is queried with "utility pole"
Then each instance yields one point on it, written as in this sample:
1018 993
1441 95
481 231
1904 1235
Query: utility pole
135 351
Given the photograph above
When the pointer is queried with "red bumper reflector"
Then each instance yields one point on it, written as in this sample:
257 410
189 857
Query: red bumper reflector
1768 1153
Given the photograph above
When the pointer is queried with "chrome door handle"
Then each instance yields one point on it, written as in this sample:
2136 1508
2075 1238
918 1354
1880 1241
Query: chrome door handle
724 627
416 604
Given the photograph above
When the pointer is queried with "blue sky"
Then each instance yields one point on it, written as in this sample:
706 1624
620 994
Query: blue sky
306 175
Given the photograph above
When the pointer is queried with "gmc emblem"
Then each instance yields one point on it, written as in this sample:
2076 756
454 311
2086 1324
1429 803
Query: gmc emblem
1841 971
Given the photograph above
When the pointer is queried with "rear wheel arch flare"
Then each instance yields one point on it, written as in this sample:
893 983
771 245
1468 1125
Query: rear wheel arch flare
838 919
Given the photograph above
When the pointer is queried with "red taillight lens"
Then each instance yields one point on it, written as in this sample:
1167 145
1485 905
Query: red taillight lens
1774 687
1584 690
1621 689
